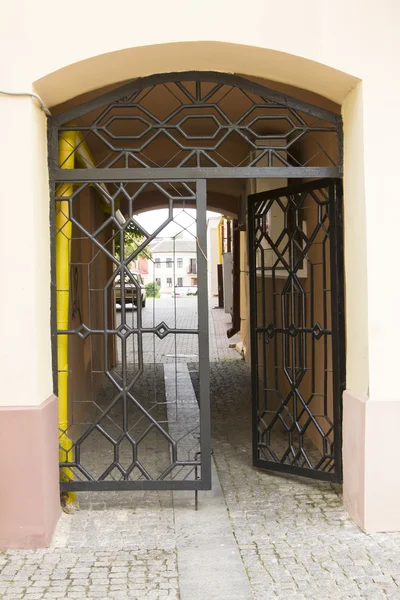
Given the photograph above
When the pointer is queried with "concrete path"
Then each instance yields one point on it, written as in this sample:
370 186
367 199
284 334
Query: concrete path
204 538
209 562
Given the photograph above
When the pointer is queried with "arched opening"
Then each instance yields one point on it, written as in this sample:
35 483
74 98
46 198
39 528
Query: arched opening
133 390
310 80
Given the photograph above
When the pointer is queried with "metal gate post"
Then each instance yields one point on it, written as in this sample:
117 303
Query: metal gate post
204 359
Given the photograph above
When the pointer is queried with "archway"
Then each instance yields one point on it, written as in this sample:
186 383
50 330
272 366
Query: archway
161 140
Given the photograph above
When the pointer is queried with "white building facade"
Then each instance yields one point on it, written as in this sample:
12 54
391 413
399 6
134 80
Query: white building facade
173 265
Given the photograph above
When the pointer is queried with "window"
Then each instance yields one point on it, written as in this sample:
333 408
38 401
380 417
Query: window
158 281
169 281
193 266
179 263
157 263
179 282
169 263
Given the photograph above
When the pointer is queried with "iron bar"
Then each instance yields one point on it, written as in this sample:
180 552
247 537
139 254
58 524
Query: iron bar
190 174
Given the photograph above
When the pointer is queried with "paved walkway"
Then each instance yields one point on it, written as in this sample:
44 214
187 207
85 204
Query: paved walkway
264 536
294 536
177 313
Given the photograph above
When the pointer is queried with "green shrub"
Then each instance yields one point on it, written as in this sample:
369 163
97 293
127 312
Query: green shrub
152 290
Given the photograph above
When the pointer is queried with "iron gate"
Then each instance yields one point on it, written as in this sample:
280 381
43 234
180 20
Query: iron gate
165 136
296 278
135 428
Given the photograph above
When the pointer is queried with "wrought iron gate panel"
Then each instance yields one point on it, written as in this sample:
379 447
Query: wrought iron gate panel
173 132
129 424
199 121
296 278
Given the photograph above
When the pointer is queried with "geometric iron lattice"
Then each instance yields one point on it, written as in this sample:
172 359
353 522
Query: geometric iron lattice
156 141
295 269
202 121
124 380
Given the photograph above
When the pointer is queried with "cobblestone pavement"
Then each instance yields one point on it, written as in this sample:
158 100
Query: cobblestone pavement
119 550
179 313
294 537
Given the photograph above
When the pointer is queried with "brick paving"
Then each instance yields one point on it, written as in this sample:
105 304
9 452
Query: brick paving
294 537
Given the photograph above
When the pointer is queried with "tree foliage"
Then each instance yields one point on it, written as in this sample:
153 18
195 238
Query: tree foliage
152 290
133 238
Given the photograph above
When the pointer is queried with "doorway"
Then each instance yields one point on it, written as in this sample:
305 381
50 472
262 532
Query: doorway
165 141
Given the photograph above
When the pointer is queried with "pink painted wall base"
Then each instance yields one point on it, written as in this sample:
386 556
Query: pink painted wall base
371 481
29 475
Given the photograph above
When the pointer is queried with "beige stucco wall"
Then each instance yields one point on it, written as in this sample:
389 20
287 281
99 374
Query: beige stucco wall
24 255
319 46
110 51
355 244
59 65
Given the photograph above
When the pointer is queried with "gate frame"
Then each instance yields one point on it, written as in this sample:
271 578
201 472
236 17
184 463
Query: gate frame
200 175
336 255
204 481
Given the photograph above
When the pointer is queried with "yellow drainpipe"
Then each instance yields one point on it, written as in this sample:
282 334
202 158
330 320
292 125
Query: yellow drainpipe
66 159
220 241
71 147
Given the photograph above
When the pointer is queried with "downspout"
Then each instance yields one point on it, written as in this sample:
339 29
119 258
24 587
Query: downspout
219 266
236 280
66 160
71 147
220 241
